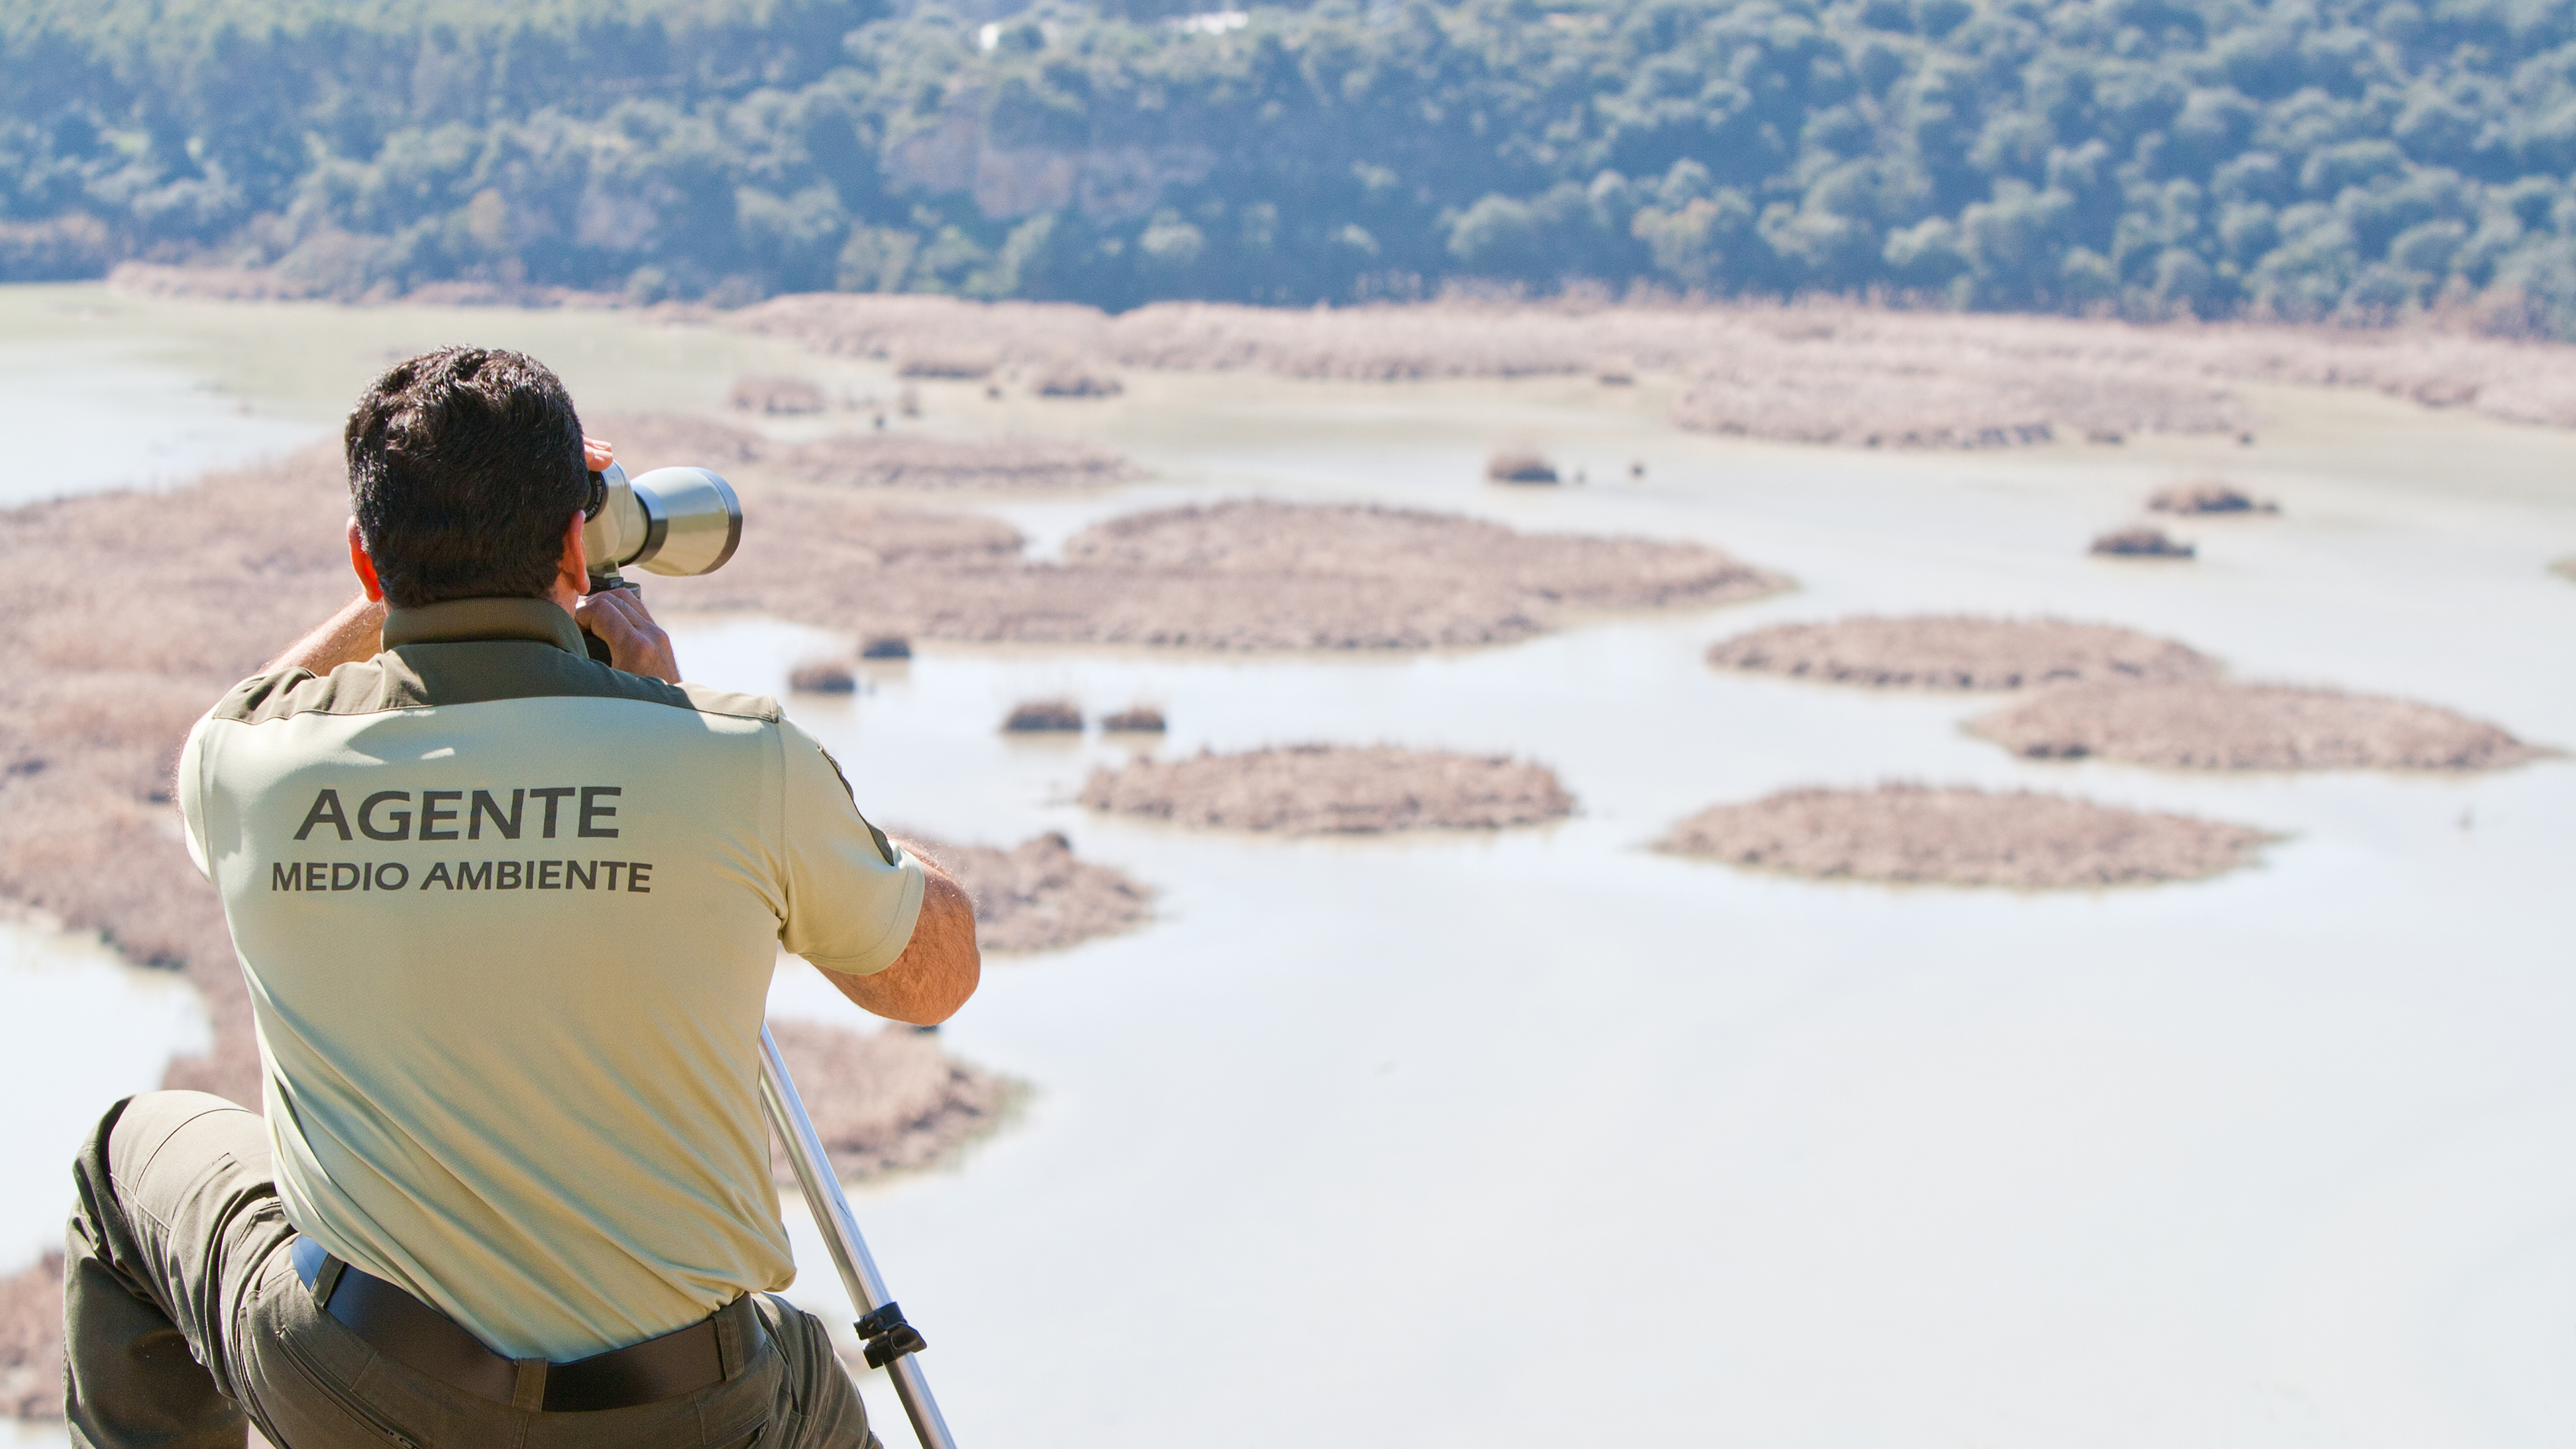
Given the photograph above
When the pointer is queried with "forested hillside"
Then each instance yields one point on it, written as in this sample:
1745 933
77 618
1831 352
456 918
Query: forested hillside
2305 158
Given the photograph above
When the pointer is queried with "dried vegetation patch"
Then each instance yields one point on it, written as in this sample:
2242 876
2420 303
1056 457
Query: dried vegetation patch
1333 789
1823 371
1038 895
1960 652
2141 542
790 396
105 679
1918 834
2208 495
865 460
1246 576
887 1100
2211 725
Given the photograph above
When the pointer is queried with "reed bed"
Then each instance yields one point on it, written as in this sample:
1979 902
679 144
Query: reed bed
1916 834
776 396
1075 378
887 1100
1044 716
2142 541
1247 576
913 460
863 460
645 441
2207 495
1038 895
1333 790
2210 725
822 676
105 678
1519 467
1825 370
1949 651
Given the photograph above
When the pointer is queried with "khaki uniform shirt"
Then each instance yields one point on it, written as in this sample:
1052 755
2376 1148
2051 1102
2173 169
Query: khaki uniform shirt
508 917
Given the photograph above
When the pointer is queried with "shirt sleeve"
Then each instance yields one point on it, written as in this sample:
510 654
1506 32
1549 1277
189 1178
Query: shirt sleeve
190 784
852 894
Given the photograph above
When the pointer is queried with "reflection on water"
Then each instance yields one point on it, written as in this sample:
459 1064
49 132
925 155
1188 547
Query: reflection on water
1593 1143
121 1025
81 417
1542 1138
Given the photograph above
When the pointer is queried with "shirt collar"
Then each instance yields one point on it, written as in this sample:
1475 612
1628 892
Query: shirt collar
457 621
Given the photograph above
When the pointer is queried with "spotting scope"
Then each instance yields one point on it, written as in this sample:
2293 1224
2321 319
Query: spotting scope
671 521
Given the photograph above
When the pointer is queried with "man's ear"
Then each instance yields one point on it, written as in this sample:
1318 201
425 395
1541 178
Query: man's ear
572 570
364 564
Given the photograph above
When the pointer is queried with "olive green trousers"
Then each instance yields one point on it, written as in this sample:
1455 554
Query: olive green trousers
184 1324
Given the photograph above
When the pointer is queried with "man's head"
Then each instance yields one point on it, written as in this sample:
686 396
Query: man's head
465 465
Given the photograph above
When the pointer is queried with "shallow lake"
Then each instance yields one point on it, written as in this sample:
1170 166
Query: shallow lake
1542 1138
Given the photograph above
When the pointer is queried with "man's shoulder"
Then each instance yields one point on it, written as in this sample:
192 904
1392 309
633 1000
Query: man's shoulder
277 694
740 706
429 676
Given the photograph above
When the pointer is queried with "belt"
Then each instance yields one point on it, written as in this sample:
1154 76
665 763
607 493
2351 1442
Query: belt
410 1332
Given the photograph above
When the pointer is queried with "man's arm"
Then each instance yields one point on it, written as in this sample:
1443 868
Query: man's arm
938 970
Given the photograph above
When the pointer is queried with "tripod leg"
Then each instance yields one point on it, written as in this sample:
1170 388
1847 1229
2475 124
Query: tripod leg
892 1343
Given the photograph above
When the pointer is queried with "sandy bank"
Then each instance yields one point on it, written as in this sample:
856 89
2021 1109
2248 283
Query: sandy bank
1957 836
1333 789
1039 896
2211 725
1952 651
886 1100
1248 576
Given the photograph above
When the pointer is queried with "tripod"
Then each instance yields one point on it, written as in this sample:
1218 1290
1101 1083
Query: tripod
891 1342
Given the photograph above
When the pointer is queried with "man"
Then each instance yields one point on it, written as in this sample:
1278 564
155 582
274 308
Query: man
508 917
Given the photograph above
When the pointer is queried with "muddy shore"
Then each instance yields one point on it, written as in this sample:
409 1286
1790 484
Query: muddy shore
1333 790
2209 725
1038 895
1950 651
1914 834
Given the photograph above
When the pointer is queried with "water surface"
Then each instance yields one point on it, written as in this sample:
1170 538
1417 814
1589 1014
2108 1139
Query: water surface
1542 1137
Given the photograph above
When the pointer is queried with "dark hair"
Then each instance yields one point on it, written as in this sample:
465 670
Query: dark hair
464 466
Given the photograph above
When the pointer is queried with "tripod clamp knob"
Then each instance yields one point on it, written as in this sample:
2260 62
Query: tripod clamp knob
887 1336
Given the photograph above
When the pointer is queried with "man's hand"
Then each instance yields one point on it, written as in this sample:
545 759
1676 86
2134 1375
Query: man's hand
635 643
938 970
